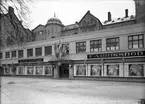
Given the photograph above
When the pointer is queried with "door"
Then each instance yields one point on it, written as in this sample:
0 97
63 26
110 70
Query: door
64 70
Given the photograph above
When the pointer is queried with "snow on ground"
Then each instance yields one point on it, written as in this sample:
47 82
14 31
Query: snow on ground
52 91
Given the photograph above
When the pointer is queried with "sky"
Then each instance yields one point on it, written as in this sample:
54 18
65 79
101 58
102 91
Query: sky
70 11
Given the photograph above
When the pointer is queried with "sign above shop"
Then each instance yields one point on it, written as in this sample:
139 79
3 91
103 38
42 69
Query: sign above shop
116 54
31 60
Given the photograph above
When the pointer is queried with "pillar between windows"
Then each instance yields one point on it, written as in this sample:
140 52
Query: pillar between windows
88 46
43 51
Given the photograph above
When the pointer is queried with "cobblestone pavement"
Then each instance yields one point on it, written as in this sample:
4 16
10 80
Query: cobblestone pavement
16 90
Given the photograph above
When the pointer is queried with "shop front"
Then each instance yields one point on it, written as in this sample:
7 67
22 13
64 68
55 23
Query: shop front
63 68
105 66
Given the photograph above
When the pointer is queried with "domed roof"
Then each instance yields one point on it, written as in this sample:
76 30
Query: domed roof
54 20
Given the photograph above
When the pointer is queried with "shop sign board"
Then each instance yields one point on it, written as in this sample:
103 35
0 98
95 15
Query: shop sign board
116 54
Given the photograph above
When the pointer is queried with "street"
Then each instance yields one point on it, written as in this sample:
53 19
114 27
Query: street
18 90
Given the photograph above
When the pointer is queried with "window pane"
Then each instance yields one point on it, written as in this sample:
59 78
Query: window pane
135 44
48 50
135 37
13 53
113 70
130 37
38 51
136 70
81 70
20 53
29 52
140 44
7 54
140 36
1 55
96 70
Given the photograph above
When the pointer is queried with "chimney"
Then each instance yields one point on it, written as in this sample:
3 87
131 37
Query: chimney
109 16
11 9
126 13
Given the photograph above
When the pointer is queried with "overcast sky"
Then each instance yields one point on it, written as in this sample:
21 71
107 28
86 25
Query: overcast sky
70 11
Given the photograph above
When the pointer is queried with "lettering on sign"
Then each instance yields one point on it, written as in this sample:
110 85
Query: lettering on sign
117 54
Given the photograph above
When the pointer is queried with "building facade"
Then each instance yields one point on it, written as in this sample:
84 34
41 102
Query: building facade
113 49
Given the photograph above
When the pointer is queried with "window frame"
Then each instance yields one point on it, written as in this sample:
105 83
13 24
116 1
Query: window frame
95 46
38 53
28 50
19 55
7 53
115 41
78 46
135 40
46 52
13 54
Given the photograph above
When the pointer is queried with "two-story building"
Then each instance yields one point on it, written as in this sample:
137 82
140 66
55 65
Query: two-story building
110 50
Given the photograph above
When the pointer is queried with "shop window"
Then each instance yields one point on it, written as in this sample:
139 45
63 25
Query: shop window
39 70
80 70
20 53
1 55
96 70
112 43
95 45
48 50
136 70
38 51
135 41
80 47
29 52
21 70
13 54
113 70
48 70
6 71
30 70
7 54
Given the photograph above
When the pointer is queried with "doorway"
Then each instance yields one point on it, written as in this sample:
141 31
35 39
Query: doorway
64 70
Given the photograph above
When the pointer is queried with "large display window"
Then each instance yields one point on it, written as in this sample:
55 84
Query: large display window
21 70
95 70
80 70
136 70
30 70
113 70
6 71
48 70
39 70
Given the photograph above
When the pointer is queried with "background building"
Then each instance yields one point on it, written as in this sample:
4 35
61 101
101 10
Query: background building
113 49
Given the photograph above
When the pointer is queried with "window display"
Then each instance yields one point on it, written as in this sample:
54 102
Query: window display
96 70
21 70
39 70
48 70
30 70
136 70
113 70
81 70
7 71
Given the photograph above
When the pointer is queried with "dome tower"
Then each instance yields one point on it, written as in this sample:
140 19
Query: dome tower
54 27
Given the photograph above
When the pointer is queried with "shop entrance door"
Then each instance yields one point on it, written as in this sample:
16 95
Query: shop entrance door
64 70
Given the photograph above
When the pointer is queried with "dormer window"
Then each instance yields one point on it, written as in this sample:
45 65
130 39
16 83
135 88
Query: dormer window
40 32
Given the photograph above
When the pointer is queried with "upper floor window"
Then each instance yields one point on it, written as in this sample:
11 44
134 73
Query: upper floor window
95 45
20 53
38 51
29 52
112 43
48 50
7 55
80 47
1 55
13 53
135 41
